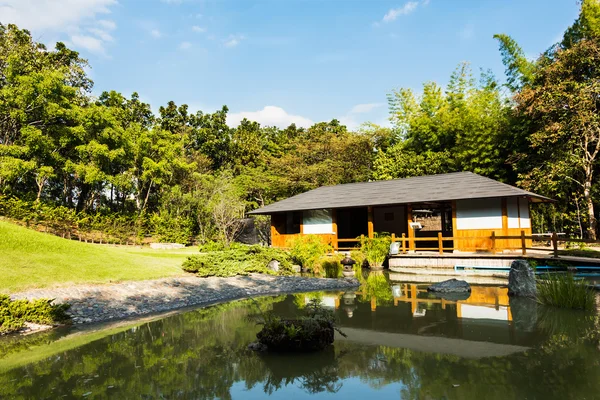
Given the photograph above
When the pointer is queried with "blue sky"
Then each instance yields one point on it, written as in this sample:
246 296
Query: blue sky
286 61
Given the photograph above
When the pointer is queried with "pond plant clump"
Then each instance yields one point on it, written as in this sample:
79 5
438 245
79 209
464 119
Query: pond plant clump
313 332
563 290
15 314
238 259
375 249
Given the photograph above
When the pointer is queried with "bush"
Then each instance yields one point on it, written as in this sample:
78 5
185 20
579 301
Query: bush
14 314
375 250
562 290
307 250
312 332
331 266
238 260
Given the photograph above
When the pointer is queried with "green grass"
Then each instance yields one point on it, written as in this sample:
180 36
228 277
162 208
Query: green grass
590 253
562 290
30 259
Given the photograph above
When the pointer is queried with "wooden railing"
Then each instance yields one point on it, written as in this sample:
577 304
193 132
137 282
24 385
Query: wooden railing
525 242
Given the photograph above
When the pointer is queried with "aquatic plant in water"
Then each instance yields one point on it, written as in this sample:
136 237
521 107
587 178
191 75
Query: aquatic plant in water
563 290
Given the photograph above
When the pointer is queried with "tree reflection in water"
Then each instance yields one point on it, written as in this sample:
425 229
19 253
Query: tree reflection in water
202 354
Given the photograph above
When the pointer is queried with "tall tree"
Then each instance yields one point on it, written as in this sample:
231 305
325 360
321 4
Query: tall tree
564 102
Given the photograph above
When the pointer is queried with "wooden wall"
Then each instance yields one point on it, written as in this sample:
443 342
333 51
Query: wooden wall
469 244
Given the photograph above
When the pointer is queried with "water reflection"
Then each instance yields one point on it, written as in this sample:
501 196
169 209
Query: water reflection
403 342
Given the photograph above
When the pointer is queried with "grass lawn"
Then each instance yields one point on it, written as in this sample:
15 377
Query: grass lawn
30 259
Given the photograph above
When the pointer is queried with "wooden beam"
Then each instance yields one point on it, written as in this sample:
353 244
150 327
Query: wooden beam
370 222
454 233
301 222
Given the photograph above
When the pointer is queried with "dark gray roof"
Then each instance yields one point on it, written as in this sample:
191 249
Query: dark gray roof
444 187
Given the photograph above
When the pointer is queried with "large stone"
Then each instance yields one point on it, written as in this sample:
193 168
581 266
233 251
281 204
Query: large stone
273 265
521 280
450 286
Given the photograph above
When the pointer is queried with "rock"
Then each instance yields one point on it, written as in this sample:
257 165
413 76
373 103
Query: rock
273 265
521 280
452 296
450 286
296 268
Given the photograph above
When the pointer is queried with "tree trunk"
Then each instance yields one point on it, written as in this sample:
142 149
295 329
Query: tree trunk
587 189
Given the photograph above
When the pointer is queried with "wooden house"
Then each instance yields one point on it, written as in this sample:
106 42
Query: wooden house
463 209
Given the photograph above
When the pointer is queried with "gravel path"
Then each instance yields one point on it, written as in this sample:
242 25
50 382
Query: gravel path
96 303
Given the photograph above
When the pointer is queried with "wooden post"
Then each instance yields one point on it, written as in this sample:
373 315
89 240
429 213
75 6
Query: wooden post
403 243
440 243
393 237
370 222
334 228
493 242
555 244
523 244
411 231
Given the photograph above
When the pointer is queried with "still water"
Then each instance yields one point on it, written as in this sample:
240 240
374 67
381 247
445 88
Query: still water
403 343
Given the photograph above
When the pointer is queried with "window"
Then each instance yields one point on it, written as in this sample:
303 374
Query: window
317 222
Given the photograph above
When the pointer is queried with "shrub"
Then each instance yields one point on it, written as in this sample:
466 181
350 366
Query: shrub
375 250
14 314
238 260
562 290
307 250
332 267
312 332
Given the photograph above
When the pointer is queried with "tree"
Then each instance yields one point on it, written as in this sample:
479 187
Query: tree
563 100
226 208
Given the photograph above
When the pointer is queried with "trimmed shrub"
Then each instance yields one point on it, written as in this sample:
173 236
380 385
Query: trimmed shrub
14 314
238 260
563 290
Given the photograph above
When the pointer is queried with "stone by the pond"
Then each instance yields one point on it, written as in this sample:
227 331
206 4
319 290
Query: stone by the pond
521 280
296 268
273 265
450 286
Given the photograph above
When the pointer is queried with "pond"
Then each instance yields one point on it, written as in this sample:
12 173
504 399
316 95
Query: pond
402 343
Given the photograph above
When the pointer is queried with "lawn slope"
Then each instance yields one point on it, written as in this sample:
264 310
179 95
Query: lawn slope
31 259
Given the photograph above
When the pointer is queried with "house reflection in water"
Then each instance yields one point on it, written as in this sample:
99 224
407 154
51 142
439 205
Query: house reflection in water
381 312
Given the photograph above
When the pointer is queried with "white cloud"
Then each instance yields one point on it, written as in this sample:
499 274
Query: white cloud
406 9
90 43
108 25
233 40
198 29
365 108
41 15
70 17
185 45
155 33
103 35
271 116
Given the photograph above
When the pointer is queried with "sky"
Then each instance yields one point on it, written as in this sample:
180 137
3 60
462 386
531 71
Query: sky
284 61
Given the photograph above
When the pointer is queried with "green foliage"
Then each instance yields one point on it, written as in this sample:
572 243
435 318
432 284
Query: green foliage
464 128
307 250
375 250
563 290
311 332
331 266
15 313
238 260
